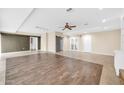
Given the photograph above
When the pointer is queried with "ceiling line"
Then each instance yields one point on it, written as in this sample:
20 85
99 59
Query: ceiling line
25 19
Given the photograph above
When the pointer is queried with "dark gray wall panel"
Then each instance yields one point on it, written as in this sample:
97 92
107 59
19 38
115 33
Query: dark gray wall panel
13 43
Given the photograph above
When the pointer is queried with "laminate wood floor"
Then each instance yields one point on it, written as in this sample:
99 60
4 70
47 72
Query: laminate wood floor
51 69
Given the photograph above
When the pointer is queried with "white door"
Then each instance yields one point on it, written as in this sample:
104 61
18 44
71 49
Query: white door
33 43
87 43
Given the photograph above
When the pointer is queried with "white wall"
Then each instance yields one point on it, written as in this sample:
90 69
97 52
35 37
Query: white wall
101 42
52 42
44 41
48 41
87 42
66 43
106 42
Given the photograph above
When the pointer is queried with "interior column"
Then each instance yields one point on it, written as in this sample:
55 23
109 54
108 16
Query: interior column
122 33
44 42
0 44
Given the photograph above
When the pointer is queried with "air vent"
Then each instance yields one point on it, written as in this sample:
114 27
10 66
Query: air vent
69 9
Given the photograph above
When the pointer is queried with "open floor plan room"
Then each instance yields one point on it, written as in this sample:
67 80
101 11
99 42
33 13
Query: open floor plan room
62 46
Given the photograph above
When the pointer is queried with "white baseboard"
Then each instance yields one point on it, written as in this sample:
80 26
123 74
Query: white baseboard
108 54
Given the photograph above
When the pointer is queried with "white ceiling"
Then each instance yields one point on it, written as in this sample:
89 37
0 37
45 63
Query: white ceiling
12 18
52 19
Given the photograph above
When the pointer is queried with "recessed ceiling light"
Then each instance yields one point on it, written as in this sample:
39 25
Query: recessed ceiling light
104 20
100 8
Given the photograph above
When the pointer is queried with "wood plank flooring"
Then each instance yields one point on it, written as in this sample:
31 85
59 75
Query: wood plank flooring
51 69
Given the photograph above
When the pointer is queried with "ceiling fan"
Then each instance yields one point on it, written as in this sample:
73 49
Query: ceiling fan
67 26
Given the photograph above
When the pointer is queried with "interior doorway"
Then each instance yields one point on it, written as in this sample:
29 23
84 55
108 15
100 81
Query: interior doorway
39 43
35 43
59 43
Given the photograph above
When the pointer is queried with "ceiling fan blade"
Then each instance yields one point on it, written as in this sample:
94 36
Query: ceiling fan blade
69 28
72 26
64 29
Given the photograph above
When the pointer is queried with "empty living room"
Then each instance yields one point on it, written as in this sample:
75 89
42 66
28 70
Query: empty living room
61 46
76 46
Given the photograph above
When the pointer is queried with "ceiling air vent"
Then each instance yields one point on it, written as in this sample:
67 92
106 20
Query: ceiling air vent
69 9
85 24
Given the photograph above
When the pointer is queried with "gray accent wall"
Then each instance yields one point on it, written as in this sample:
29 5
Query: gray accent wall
13 43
